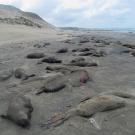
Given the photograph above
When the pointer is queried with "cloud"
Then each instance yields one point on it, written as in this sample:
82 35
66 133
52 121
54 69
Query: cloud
29 4
83 13
74 4
7 1
98 8
90 7
23 4
90 13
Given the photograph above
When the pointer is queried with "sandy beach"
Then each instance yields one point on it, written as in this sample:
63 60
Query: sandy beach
114 72
64 81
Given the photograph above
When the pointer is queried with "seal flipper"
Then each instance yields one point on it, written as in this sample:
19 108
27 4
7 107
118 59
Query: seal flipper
40 91
55 121
119 94
4 116
58 119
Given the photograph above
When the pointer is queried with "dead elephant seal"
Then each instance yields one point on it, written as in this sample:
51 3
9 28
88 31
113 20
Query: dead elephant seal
82 63
78 77
35 55
129 46
51 60
94 53
20 73
100 103
78 59
84 39
62 50
19 111
53 84
133 54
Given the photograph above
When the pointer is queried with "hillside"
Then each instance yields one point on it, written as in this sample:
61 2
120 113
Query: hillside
13 15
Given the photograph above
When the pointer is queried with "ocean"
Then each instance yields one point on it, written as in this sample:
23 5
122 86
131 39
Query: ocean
123 30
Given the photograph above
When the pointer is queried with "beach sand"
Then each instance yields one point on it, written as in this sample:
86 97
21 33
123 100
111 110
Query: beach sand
115 72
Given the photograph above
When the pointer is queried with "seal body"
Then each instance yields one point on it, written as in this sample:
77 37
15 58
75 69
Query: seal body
19 111
99 104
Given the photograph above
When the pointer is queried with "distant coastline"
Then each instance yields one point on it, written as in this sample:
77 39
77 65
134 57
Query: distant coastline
123 30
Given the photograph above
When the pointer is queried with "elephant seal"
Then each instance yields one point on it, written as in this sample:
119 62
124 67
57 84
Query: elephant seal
99 103
53 84
35 55
51 59
19 111
20 73
62 50
78 77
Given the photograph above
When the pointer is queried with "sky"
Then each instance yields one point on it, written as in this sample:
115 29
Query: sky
81 13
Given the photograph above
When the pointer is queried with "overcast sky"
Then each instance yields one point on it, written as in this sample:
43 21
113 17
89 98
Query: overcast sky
81 13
